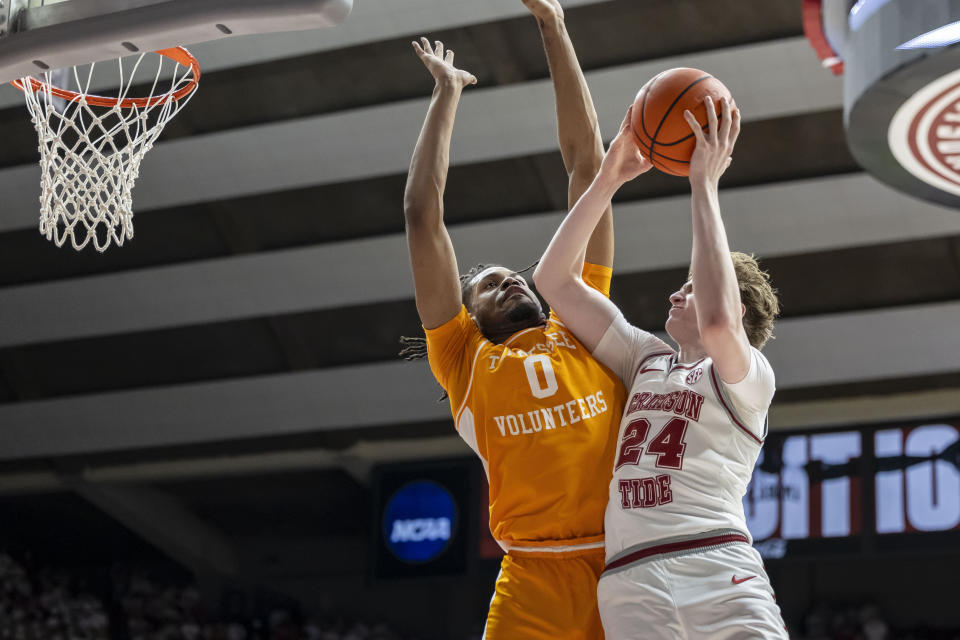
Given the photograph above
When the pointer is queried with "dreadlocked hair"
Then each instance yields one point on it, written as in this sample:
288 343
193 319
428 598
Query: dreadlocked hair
415 347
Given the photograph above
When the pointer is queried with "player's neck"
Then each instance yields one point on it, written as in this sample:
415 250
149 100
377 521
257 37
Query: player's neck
690 352
501 334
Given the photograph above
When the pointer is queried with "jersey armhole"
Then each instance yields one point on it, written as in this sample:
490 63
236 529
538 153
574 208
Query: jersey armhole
730 409
469 388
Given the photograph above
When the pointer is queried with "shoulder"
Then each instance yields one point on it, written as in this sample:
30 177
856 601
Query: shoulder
452 343
761 370
626 348
460 324
754 393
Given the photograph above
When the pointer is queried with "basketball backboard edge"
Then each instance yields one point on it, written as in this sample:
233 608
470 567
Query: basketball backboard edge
64 33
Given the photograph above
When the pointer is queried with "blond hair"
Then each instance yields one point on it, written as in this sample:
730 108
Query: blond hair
758 296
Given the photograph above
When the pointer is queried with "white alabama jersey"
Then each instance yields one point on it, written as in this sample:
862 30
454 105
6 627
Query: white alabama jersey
688 441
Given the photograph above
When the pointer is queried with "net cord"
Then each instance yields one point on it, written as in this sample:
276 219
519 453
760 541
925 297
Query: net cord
90 154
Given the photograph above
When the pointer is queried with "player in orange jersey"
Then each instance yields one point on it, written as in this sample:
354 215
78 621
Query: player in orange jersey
526 396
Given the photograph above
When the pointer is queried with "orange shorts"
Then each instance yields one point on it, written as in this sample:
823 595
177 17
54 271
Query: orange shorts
546 598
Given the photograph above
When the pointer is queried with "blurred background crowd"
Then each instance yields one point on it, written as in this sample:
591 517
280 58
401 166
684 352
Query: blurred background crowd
40 602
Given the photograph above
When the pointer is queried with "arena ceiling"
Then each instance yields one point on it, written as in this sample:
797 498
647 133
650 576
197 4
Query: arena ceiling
252 323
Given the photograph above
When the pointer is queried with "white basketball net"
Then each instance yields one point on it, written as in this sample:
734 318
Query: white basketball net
90 155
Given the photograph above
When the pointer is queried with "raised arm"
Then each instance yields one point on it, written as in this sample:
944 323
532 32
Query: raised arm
584 310
719 309
580 142
434 263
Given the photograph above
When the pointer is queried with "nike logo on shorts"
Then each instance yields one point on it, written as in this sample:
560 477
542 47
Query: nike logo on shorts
741 580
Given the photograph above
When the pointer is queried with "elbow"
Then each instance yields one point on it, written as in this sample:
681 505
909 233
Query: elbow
418 212
411 206
589 165
538 275
422 202
584 145
545 282
551 284
541 281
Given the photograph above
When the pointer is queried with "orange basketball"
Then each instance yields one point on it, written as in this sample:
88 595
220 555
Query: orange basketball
658 124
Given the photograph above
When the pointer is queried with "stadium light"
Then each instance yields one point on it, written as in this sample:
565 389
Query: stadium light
940 37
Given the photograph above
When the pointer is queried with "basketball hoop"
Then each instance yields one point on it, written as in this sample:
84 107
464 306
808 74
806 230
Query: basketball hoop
91 146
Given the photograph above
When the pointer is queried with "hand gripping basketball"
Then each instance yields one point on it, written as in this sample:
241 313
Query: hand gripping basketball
661 132
712 155
624 161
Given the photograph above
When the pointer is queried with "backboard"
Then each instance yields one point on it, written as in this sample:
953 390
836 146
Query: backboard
38 35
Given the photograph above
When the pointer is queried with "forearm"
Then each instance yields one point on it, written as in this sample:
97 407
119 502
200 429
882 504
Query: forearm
584 310
426 180
562 262
581 145
578 131
714 279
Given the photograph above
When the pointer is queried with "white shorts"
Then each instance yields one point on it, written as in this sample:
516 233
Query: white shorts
717 593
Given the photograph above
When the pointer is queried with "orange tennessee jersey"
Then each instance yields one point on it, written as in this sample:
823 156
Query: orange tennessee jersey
543 416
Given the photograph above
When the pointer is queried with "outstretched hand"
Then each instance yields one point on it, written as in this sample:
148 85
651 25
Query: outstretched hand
440 64
712 155
623 161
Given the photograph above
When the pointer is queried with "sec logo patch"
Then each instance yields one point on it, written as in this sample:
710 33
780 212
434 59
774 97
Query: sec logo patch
694 376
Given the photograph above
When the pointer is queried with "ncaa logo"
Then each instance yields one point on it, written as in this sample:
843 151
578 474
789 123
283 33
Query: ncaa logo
419 521
924 134
694 376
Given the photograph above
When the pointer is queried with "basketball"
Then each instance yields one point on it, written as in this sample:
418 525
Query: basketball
661 132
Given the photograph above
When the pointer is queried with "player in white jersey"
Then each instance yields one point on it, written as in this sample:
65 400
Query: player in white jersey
679 560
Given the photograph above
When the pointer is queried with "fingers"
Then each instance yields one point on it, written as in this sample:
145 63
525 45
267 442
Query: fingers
418 49
735 126
726 121
694 126
471 79
722 130
711 117
436 49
